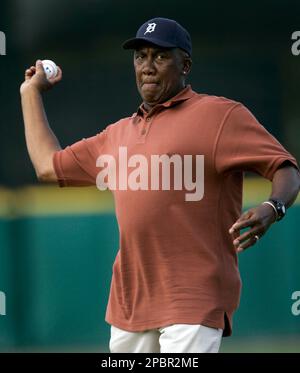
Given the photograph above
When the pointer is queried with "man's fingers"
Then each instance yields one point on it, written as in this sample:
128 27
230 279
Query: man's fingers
38 64
58 77
246 236
235 235
31 69
240 225
252 241
39 67
28 74
242 218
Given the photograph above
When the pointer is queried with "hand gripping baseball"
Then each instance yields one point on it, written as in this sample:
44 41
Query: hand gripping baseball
36 77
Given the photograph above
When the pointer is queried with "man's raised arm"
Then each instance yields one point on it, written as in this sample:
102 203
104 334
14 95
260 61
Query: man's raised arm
40 139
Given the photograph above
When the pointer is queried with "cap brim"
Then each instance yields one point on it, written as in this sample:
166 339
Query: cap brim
137 42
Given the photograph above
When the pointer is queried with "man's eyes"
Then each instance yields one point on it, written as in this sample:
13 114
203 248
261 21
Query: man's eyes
139 57
159 56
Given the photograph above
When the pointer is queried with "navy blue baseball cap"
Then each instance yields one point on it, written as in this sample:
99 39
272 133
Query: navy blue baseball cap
162 32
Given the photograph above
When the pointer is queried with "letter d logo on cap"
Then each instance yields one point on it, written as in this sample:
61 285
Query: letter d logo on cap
150 28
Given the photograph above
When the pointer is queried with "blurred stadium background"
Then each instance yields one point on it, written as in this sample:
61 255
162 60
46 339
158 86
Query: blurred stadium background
57 246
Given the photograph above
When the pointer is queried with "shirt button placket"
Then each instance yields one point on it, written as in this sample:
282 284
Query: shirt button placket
144 130
146 122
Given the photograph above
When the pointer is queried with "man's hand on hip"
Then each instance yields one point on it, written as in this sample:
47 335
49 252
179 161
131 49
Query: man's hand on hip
258 220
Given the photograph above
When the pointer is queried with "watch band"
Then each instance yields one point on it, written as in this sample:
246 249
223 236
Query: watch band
274 208
278 207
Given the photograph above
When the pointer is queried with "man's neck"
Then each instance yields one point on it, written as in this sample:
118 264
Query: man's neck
149 107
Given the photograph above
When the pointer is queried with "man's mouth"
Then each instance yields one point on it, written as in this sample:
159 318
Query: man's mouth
150 84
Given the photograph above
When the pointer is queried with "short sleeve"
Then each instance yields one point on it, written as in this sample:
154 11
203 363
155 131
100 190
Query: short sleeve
244 144
76 164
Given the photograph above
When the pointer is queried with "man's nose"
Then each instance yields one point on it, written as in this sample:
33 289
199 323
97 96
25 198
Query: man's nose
148 67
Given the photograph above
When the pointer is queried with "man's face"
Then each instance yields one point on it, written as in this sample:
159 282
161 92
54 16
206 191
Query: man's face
159 73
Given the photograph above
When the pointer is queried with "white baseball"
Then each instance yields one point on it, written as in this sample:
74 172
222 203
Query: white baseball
50 68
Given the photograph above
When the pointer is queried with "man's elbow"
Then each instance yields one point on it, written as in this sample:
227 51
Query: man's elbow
295 179
295 172
292 173
298 181
46 176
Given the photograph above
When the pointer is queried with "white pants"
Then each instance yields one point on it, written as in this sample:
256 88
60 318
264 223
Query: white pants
177 338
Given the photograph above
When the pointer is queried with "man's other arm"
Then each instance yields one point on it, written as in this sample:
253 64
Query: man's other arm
285 187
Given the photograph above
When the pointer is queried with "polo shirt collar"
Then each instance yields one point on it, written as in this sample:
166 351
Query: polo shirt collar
183 95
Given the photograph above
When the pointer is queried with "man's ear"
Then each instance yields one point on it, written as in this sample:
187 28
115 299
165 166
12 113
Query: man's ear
187 65
186 61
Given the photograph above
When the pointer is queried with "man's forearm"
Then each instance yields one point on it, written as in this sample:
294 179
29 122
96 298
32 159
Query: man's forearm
286 185
40 140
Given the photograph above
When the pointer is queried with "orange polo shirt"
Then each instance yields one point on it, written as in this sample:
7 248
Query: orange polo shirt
176 261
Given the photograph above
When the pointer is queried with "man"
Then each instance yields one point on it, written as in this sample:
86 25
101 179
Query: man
175 280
